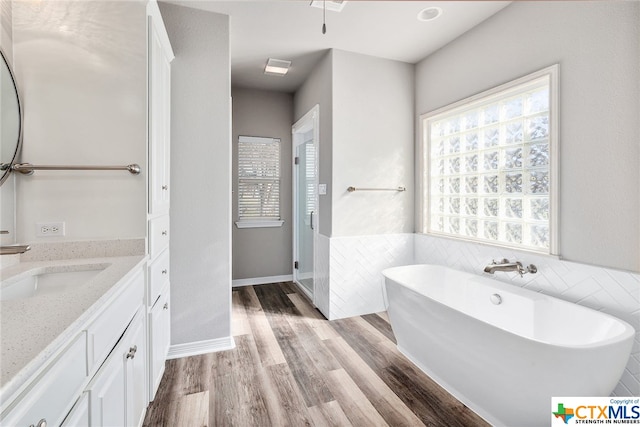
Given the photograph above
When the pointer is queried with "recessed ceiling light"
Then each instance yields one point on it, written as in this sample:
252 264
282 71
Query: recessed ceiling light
429 14
277 67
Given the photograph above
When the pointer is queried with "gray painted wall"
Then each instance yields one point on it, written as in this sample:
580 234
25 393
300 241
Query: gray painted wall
318 89
260 252
597 45
366 140
200 174
373 101
84 97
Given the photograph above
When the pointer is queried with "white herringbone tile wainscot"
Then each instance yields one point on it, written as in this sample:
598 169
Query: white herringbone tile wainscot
355 274
321 291
610 291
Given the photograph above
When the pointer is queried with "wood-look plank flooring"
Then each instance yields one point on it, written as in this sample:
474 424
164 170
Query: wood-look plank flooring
292 367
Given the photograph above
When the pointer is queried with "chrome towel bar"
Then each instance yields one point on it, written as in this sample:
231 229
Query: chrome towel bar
352 189
28 168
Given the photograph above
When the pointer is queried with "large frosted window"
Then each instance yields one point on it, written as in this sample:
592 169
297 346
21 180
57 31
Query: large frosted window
489 166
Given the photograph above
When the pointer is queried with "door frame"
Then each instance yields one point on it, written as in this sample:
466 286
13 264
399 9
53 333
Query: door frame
311 120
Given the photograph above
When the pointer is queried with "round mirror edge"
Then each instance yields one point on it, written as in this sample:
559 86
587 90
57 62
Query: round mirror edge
7 171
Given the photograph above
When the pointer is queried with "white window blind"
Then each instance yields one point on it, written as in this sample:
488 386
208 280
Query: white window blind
258 178
310 176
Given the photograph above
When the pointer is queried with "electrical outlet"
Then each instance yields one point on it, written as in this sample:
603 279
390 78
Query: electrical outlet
46 229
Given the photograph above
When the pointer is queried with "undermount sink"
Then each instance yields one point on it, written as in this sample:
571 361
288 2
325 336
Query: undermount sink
46 283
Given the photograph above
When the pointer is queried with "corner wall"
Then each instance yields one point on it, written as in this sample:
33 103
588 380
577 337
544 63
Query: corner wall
263 252
366 140
318 89
200 179
373 101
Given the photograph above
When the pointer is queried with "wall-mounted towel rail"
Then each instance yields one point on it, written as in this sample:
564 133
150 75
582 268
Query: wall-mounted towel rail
352 189
28 168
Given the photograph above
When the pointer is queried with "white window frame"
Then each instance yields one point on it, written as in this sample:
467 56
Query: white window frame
260 222
424 225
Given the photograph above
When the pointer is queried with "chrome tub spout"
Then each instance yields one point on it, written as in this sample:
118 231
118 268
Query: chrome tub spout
506 265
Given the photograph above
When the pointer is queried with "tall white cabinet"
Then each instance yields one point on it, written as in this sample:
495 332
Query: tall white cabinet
159 56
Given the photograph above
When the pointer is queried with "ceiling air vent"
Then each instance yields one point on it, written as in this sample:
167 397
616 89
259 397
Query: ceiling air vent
332 5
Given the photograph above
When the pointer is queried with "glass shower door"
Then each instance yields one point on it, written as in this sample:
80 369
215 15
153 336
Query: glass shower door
306 218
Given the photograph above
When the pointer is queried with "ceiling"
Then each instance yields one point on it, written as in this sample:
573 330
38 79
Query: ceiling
292 30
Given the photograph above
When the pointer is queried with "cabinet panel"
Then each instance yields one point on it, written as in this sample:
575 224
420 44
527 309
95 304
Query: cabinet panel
105 331
159 338
159 117
158 235
107 404
158 276
53 394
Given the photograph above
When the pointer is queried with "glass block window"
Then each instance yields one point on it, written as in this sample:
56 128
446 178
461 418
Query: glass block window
489 166
258 178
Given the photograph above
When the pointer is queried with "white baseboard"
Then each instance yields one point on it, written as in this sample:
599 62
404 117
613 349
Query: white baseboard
200 347
262 280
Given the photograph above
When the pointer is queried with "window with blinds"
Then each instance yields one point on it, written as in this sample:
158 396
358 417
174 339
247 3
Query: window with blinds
258 179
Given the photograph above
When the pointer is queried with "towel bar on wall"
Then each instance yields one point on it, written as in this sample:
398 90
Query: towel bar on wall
352 189
28 168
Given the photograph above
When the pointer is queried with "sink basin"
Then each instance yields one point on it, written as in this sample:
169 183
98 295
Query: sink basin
42 283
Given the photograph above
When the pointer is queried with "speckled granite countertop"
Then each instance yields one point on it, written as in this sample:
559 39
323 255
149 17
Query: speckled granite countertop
36 328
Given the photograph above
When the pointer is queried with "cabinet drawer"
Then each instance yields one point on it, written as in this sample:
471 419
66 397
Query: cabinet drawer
51 396
107 329
158 276
158 235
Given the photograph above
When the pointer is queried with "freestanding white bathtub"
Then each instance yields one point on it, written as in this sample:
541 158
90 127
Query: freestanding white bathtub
502 350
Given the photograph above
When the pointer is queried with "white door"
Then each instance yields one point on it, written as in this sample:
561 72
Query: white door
305 199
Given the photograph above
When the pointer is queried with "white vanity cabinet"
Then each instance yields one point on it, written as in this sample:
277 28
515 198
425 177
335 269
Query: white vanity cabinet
117 393
160 56
99 377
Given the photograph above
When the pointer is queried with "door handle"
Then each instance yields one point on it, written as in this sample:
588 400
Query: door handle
312 220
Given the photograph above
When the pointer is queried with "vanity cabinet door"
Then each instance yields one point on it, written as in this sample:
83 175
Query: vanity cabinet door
136 371
117 394
159 57
107 403
159 338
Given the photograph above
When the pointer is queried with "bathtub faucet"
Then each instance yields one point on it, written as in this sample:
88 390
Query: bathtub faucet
505 265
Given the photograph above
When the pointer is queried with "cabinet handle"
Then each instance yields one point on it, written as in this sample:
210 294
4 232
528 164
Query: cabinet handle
165 306
132 352
164 233
41 423
164 271
165 187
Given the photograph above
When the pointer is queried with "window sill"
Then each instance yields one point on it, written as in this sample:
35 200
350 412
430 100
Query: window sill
259 224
